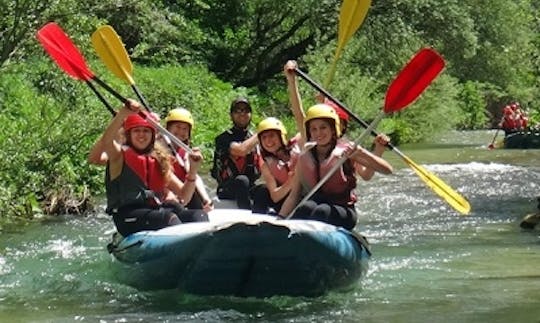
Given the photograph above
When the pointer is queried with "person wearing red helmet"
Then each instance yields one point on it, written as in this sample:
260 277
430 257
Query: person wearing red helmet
140 185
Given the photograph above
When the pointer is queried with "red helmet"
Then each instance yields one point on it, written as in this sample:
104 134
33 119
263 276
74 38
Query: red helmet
135 120
342 114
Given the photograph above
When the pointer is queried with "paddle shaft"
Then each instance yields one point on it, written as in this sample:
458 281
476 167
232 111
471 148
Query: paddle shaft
82 72
491 145
101 98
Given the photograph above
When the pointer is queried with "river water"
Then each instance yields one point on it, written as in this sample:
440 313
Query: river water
429 264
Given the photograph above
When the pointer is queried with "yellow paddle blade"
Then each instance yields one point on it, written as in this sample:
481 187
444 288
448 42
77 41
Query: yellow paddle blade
112 52
351 16
442 189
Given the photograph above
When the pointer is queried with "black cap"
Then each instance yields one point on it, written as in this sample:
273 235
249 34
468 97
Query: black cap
239 100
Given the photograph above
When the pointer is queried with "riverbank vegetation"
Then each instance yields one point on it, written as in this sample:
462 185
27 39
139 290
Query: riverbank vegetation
201 54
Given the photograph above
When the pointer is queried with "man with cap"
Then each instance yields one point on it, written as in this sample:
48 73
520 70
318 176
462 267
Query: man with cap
235 165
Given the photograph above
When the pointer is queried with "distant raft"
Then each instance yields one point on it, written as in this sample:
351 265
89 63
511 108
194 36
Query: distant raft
243 254
523 140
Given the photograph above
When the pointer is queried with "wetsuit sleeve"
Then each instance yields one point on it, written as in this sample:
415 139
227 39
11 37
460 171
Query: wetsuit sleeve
221 152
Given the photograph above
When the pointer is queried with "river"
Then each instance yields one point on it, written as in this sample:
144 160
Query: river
429 263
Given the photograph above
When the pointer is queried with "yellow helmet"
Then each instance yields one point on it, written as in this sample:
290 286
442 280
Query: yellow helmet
322 111
180 114
273 124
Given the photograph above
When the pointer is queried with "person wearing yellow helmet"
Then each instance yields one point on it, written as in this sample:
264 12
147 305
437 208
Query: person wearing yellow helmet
334 202
235 164
279 156
180 123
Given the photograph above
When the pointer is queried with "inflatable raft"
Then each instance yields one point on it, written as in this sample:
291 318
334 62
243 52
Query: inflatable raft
523 140
242 254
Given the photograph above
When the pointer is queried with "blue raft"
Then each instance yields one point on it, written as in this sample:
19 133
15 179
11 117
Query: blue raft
243 254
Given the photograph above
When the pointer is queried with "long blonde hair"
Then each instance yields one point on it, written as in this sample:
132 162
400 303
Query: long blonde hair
162 155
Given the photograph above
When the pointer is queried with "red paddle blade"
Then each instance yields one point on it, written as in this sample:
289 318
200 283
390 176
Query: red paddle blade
63 51
413 79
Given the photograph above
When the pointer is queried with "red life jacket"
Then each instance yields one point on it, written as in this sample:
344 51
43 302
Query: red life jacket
180 164
139 183
147 169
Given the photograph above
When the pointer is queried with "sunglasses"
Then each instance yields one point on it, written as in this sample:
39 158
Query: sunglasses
241 110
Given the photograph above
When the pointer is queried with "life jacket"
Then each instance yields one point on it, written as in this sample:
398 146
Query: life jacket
140 182
509 120
280 169
180 164
226 166
339 188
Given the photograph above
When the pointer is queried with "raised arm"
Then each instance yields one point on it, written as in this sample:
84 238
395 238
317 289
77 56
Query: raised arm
111 146
294 97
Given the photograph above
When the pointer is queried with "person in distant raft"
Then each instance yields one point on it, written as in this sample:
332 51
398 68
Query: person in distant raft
235 165
180 123
140 185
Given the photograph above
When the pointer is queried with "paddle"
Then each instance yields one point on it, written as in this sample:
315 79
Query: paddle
491 146
351 15
453 198
413 79
112 52
68 57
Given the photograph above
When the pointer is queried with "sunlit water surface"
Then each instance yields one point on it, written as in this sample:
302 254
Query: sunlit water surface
429 264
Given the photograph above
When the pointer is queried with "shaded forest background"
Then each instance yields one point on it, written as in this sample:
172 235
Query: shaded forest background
201 54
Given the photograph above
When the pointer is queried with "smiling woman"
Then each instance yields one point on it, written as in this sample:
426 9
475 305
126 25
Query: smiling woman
139 179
